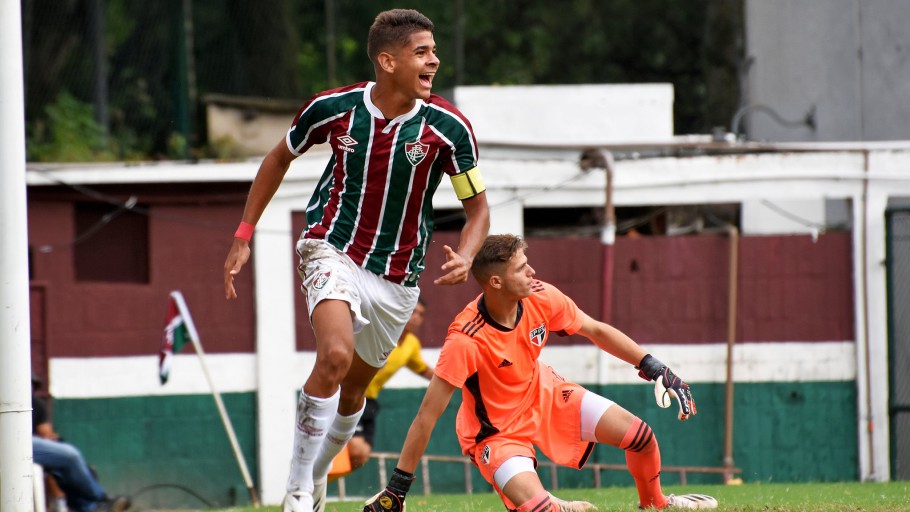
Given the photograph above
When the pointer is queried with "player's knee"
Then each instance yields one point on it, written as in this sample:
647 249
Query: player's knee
639 438
333 363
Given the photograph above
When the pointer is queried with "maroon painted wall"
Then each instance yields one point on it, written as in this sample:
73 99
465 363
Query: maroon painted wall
666 289
189 232
673 289
790 288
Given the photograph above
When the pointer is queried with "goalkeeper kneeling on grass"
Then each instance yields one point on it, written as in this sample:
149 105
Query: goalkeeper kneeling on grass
512 403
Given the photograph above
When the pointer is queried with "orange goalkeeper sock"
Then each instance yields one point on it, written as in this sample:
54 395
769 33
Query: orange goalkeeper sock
643 460
539 503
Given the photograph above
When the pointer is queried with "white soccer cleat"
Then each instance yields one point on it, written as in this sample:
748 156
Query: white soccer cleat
571 506
691 501
319 490
298 501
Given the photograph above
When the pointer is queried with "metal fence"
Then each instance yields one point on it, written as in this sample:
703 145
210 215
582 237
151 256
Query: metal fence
898 261
597 468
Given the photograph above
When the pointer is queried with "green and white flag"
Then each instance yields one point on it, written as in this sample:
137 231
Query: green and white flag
177 333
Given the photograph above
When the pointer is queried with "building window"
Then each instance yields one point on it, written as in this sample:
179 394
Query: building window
112 244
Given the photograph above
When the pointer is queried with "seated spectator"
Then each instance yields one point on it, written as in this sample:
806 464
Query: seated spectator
64 462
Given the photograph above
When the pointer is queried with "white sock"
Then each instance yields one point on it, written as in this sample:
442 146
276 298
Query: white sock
341 431
313 417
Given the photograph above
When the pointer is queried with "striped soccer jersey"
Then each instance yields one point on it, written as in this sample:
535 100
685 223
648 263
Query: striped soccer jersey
374 199
497 367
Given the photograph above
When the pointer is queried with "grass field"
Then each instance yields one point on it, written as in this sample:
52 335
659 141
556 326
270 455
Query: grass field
763 497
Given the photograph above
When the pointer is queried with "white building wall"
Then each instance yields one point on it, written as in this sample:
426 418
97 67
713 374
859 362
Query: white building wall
844 59
519 178
569 114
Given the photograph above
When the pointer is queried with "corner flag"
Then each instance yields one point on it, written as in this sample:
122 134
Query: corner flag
178 330
176 334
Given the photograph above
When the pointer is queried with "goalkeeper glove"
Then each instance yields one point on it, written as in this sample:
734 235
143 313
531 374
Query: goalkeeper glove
391 499
667 385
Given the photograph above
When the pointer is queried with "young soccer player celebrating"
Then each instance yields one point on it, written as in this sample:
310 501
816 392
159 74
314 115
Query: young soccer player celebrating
369 225
513 403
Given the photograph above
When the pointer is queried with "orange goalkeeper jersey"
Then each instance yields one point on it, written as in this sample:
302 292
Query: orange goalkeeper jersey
497 368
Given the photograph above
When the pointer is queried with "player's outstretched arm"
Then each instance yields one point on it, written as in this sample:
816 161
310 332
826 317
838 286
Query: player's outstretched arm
667 384
271 172
457 267
435 401
611 340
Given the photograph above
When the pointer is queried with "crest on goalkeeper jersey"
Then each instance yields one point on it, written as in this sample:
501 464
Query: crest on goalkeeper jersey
538 335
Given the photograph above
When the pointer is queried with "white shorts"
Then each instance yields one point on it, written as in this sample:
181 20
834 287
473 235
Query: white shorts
379 308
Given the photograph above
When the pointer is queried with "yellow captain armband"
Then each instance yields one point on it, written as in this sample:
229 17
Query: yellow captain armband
468 184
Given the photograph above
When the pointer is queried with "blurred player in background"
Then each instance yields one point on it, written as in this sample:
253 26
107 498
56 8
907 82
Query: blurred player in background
512 403
406 354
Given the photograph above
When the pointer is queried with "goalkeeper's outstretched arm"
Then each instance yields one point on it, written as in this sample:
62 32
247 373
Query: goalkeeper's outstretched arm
612 341
435 400
667 384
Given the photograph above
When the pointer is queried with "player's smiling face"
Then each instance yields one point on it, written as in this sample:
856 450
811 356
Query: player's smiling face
416 64
518 276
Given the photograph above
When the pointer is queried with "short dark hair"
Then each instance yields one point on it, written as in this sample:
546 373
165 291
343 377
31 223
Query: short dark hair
395 27
495 251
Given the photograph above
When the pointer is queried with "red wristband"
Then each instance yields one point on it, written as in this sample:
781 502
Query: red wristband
244 231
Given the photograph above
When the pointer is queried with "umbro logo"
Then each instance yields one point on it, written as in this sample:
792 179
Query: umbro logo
504 363
566 393
346 142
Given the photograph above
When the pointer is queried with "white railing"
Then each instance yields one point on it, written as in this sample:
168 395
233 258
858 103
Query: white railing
597 467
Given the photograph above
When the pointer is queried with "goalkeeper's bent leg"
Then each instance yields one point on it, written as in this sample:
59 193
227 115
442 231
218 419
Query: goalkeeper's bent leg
539 503
643 460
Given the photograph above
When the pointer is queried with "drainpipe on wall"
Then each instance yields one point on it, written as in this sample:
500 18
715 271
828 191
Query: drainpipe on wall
602 159
599 158
733 232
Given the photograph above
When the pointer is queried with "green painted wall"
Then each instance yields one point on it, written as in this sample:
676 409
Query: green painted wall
791 432
783 432
163 450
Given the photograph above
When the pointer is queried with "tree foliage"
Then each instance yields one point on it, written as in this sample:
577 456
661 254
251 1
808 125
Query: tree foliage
278 49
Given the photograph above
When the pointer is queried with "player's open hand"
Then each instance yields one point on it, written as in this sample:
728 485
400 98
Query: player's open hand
667 385
236 258
456 268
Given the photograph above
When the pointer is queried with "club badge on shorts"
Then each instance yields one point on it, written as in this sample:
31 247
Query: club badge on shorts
321 279
485 458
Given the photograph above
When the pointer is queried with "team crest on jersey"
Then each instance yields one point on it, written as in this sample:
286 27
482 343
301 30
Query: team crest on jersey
321 279
415 151
538 335
485 458
346 142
